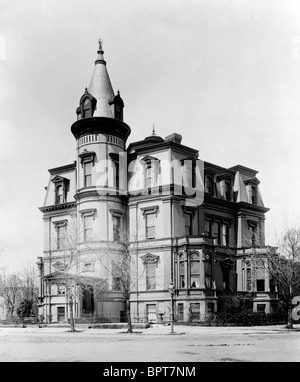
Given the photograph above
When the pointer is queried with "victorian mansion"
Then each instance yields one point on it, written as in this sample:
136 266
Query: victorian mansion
190 223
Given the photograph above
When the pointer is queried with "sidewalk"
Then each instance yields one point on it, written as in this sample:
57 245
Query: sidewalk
154 329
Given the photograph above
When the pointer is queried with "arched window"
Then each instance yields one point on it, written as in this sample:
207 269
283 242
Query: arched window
181 271
208 271
248 277
195 270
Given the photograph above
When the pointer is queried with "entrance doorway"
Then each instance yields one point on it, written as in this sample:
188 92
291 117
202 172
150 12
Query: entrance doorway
151 313
61 313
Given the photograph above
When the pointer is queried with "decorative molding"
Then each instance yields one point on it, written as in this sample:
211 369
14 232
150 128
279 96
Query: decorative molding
252 223
88 212
114 157
252 181
149 210
60 223
87 156
115 212
149 258
57 207
60 179
189 210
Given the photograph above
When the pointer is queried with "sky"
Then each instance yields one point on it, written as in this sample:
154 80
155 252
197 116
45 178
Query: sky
223 74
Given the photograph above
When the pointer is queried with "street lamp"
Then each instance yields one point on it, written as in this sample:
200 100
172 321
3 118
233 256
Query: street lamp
171 290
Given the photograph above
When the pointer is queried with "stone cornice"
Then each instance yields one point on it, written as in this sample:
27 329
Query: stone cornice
56 207
95 125
66 168
233 205
100 194
144 147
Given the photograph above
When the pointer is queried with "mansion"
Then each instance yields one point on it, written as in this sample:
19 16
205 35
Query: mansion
182 221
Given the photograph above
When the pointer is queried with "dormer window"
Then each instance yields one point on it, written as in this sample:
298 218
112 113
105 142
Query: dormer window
252 189
209 185
253 194
87 105
227 191
225 183
59 194
118 106
61 189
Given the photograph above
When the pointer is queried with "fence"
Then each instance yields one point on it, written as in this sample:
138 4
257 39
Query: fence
108 318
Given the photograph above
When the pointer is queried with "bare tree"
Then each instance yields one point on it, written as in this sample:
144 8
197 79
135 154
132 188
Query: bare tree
11 291
283 267
120 259
72 275
29 292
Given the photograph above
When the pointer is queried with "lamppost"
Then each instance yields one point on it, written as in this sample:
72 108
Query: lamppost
171 290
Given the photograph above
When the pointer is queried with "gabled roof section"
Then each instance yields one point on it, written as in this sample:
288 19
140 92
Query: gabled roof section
58 179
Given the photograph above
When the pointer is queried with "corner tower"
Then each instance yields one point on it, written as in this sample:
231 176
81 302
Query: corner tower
101 137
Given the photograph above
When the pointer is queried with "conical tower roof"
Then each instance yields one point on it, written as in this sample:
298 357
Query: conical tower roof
100 87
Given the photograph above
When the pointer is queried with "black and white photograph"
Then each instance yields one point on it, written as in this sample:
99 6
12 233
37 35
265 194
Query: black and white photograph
149 184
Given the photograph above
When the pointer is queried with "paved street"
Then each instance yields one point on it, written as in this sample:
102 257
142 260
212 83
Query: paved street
188 344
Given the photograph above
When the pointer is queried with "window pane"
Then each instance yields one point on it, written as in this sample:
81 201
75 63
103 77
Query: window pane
87 174
195 312
249 281
195 270
116 228
260 285
208 228
59 194
87 168
208 271
225 230
151 233
209 185
150 226
261 308
195 281
88 228
180 311
207 281
195 267
181 274
150 220
150 276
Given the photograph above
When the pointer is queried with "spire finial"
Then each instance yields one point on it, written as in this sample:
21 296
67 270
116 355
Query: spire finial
100 41
153 130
